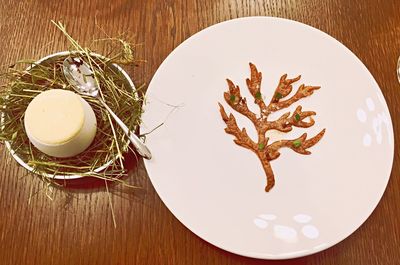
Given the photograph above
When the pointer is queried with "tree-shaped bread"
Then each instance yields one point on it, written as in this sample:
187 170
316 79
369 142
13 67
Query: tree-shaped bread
266 151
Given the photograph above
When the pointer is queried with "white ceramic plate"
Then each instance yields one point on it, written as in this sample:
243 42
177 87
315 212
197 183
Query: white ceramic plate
216 188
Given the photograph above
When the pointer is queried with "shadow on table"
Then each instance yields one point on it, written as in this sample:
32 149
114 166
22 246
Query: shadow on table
132 163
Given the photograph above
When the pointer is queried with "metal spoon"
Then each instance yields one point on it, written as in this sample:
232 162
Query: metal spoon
81 77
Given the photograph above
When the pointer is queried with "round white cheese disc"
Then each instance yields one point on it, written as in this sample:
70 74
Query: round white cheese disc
54 116
60 123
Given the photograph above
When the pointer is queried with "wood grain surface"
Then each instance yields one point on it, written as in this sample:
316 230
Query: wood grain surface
76 227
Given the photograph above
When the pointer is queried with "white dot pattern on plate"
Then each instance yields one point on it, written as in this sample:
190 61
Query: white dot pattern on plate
268 217
378 123
367 139
285 233
310 231
361 115
370 104
302 218
260 223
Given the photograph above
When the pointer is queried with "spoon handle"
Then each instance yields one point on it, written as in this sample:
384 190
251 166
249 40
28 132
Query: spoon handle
141 148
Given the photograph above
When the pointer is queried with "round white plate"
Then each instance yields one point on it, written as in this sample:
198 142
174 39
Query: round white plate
216 188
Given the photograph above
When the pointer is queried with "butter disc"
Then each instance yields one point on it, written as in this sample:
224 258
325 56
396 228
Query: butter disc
55 116
60 123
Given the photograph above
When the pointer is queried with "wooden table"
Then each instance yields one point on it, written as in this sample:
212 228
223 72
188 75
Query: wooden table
77 226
